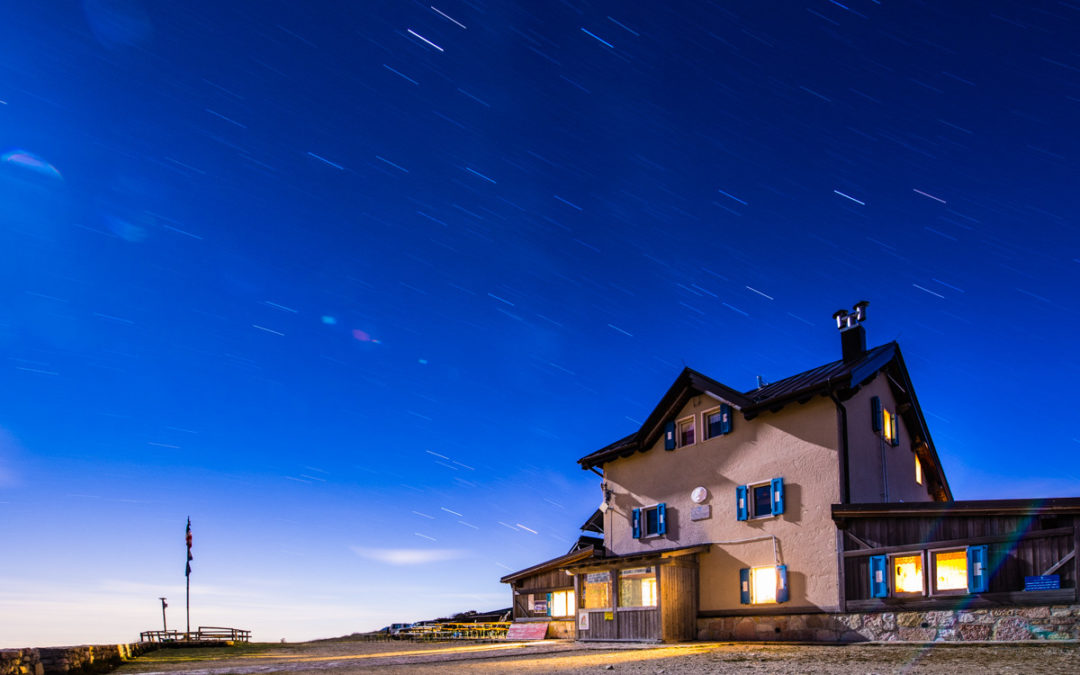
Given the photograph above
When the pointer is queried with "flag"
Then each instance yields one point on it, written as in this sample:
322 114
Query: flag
189 558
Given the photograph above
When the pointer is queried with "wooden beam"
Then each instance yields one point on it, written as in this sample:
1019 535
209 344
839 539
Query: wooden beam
840 565
1076 562
977 601
1067 558
993 539
858 541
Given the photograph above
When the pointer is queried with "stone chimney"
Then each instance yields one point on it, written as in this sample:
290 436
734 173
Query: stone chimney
852 334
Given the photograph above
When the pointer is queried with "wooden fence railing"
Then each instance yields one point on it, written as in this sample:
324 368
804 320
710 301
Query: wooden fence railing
203 634
495 630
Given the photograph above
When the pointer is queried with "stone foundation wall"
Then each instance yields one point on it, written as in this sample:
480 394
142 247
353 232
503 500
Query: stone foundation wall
20 662
58 660
1055 622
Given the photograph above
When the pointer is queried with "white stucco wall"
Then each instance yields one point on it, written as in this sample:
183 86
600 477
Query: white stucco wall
798 443
867 450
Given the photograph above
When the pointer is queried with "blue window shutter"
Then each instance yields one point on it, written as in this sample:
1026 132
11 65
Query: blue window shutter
669 436
744 586
661 512
978 574
895 430
725 418
549 604
740 502
781 584
879 583
875 413
637 523
777 495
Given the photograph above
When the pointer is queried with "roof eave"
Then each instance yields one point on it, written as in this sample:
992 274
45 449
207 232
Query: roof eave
554 563
986 507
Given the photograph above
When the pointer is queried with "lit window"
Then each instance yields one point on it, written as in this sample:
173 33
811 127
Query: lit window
686 432
908 573
884 422
762 585
918 471
597 590
951 571
637 587
562 603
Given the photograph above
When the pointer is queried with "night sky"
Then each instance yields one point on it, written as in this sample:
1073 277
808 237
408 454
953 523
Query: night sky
354 284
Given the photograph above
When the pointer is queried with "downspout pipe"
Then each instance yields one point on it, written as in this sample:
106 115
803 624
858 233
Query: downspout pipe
845 473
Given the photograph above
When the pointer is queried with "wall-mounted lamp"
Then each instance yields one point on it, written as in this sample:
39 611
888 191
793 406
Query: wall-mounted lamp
606 504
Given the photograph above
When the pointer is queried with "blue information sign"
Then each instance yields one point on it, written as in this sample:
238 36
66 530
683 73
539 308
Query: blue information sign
1049 582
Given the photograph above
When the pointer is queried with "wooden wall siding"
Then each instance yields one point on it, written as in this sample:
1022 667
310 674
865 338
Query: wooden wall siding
521 606
1018 547
554 579
887 531
599 628
638 624
679 603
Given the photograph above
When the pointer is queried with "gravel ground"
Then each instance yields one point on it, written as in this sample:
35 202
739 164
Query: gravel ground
404 658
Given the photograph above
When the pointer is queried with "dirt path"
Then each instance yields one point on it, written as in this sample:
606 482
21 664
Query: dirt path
350 658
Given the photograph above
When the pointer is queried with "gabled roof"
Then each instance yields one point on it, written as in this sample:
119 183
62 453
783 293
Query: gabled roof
822 379
840 378
595 523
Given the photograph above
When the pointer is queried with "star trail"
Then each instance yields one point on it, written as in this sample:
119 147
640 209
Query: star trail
354 285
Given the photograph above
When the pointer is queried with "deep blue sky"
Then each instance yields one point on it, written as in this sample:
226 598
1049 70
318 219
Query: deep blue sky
353 284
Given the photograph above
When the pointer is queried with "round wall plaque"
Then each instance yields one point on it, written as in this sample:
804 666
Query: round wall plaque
698 495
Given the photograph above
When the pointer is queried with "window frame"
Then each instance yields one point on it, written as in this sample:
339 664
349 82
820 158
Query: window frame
692 419
661 516
977 564
932 560
781 590
584 591
718 410
885 422
653 574
891 560
753 586
570 604
777 499
751 503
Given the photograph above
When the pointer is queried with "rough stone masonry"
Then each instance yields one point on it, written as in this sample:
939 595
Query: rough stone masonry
1007 624
79 659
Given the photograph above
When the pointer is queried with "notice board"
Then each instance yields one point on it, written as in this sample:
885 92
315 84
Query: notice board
532 630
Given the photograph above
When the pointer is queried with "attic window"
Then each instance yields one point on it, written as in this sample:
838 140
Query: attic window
918 470
884 422
716 422
888 426
685 431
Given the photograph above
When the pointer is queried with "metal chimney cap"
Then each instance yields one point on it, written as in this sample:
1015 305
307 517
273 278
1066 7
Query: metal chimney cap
846 321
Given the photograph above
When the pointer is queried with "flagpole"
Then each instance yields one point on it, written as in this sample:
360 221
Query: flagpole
187 576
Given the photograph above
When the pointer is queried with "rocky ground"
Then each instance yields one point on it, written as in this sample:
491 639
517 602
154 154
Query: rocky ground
348 658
